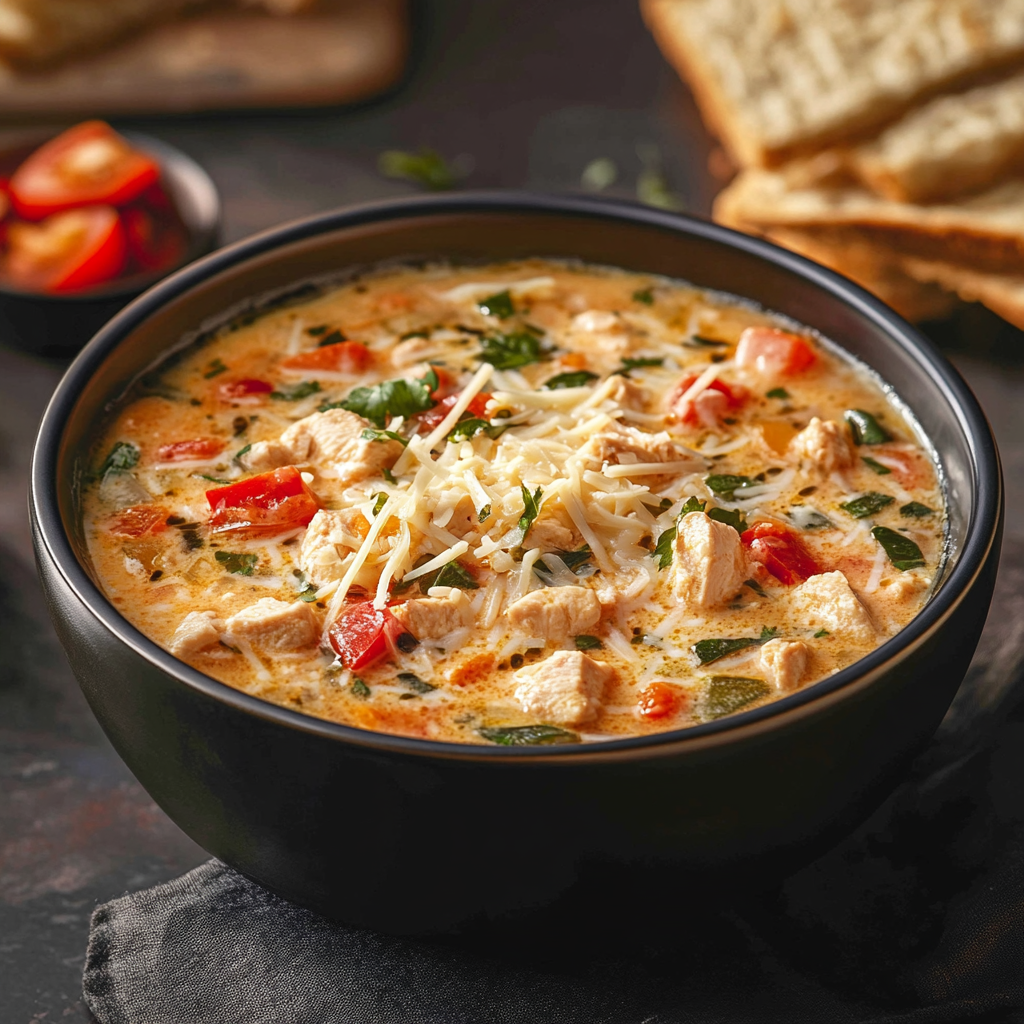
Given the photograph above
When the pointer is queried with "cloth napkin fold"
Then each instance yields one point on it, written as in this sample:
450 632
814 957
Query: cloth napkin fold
917 917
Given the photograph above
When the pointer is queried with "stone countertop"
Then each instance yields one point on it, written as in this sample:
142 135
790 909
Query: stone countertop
530 93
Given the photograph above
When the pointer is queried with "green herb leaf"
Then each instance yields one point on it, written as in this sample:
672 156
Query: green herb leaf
730 516
415 683
380 500
725 484
240 564
509 351
292 393
711 650
777 393
471 426
123 457
664 549
499 305
306 591
334 338
755 587
212 479
902 551
575 379
484 514
584 642
213 368
577 562
697 341
865 428
629 363
808 518
455 574
388 475
359 688
915 510
821 633
426 168
243 451
875 465
726 694
692 504
389 398
527 735
317 331
531 509
644 295
867 504
431 379
369 434
421 333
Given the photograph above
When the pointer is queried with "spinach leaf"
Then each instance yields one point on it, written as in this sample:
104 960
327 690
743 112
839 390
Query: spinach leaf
531 509
455 574
692 504
577 562
916 510
584 642
777 393
359 688
867 504
499 305
509 351
644 295
875 465
725 484
629 363
865 428
414 682
664 549
575 379
293 393
711 650
726 694
730 516
902 551
471 426
389 398
427 168
369 434
527 735
213 368
240 564
123 457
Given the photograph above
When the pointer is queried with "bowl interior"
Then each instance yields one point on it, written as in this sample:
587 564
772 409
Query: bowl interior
488 228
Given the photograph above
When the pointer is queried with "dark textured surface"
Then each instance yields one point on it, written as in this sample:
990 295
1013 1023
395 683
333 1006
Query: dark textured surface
532 91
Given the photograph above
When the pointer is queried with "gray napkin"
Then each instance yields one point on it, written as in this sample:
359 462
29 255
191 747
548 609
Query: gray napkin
917 917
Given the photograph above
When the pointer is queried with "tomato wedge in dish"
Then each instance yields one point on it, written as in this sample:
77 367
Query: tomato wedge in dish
138 520
247 391
265 504
340 357
476 408
362 634
85 165
66 252
194 450
713 404
779 550
773 352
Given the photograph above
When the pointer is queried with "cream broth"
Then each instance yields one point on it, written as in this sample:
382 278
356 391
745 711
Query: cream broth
531 502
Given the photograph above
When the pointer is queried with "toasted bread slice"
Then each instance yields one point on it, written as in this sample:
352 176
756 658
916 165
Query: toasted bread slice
777 78
983 231
1002 293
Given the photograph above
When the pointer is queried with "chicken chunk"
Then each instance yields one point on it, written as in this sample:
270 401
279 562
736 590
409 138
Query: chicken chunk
785 662
263 456
548 534
197 632
597 330
822 447
828 602
709 564
329 537
564 689
434 618
556 612
275 625
629 394
332 440
629 446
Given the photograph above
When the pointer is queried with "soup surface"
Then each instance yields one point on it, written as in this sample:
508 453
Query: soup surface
532 502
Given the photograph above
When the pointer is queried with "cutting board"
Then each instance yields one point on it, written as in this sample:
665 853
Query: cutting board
340 52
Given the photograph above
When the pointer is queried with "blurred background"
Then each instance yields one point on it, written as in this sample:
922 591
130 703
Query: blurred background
375 100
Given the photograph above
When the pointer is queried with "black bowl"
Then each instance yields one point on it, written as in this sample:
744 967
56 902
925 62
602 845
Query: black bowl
411 835
59 325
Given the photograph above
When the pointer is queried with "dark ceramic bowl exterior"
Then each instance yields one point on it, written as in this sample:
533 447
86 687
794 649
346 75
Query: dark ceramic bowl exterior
59 325
409 835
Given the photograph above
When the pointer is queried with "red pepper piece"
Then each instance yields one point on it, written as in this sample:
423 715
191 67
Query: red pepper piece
246 391
138 521
780 551
659 700
773 352
362 634
341 357
432 417
196 449
713 404
264 504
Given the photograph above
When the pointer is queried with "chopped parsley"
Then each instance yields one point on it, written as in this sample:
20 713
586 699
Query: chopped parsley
527 735
213 368
865 428
573 379
531 509
510 351
359 688
867 504
499 305
389 398
240 564
292 393
711 650
902 551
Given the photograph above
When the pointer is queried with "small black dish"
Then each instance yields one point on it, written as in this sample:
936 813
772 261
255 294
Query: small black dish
59 325
410 835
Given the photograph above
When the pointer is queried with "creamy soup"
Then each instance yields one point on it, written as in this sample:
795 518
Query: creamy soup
533 502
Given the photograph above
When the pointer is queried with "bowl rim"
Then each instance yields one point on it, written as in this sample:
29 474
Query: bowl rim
184 170
981 535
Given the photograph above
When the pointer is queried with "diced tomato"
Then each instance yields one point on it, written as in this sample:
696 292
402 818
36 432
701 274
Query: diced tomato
780 551
85 165
711 406
774 353
153 242
445 381
138 521
659 700
362 634
432 417
342 357
68 251
195 450
264 504
245 391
